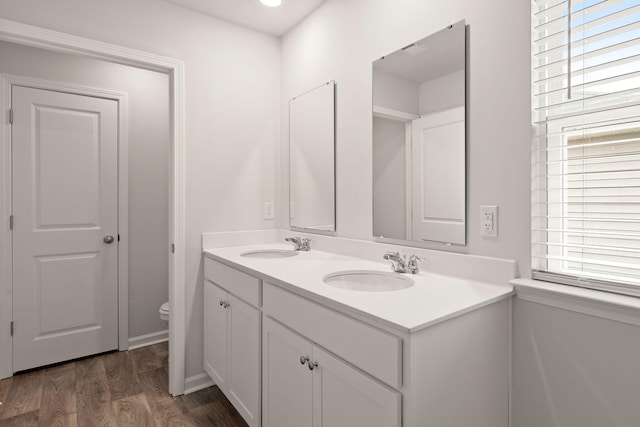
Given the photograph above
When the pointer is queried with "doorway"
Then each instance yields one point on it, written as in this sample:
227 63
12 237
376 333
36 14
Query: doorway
61 42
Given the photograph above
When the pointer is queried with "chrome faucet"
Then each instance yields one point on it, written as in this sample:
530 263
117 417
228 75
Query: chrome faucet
300 244
399 263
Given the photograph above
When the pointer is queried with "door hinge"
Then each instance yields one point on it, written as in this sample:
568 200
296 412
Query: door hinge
11 327
11 116
173 248
10 222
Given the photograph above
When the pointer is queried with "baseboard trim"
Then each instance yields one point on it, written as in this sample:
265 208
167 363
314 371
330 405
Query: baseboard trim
148 339
197 382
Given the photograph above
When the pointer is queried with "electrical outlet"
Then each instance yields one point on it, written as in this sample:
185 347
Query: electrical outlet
489 221
268 210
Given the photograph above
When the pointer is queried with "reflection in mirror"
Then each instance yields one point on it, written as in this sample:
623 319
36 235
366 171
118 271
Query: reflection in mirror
311 159
419 141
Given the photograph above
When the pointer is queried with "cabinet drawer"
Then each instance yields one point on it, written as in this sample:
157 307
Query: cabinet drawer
242 285
372 350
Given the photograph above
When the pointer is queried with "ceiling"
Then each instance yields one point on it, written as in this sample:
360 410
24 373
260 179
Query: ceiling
434 56
253 14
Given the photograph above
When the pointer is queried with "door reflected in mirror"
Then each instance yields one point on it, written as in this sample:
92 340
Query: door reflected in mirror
311 159
419 141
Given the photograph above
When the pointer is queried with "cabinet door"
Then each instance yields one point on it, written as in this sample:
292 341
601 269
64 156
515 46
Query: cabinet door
243 383
287 384
345 397
215 333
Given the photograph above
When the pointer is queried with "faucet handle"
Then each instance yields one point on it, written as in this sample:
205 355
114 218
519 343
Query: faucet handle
305 244
412 264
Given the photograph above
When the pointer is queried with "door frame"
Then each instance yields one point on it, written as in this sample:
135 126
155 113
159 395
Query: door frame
407 119
9 80
29 35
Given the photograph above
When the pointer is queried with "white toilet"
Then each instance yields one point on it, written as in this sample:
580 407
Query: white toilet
164 311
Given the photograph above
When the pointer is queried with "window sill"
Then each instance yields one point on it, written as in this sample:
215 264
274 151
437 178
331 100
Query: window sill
619 308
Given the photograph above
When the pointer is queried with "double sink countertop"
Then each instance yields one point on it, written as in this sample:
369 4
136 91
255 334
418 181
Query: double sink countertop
432 299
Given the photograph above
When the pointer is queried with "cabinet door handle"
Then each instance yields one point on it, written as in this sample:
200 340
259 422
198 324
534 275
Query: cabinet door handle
227 305
221 302
304 359
312 365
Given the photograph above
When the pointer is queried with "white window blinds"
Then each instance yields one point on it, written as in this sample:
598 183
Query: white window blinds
586 143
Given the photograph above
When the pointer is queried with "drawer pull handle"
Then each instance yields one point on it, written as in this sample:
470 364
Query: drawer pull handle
304 359
312 365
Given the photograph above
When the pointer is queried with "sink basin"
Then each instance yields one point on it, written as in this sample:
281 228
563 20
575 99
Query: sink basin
270 253
368 281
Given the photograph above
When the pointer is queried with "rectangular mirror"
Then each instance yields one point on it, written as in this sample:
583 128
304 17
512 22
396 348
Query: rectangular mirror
419 141
312 159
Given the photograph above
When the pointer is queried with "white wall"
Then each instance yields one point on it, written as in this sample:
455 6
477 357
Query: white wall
572 369
443 93
148 103
232 112
342 38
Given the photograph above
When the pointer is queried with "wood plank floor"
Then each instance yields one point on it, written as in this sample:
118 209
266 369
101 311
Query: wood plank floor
126 388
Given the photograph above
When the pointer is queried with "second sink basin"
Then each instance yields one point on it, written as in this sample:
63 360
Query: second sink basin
270 253
368 281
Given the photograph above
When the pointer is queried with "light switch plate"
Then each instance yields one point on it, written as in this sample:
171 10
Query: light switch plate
269 210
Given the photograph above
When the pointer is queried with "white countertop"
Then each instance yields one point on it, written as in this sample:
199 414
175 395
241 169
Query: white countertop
433 299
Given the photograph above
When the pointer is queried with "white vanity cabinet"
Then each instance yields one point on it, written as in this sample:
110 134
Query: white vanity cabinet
263 338
304 385
232 330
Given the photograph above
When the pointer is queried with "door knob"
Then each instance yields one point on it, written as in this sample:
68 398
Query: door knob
107 239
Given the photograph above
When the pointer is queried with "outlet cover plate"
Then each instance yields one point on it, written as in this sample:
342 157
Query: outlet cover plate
489 221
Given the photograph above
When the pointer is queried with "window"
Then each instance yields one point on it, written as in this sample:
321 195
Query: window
586 143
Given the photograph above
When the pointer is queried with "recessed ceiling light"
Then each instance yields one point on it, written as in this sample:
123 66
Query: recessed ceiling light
271 3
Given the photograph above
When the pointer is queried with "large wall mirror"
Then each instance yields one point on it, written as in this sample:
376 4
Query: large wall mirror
419 143
312 159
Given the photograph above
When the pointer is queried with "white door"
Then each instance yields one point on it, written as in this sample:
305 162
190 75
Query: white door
65 208
438 177
344 397
287 384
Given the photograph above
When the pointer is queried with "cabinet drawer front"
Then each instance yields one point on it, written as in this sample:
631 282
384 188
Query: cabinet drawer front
242 285
372 350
